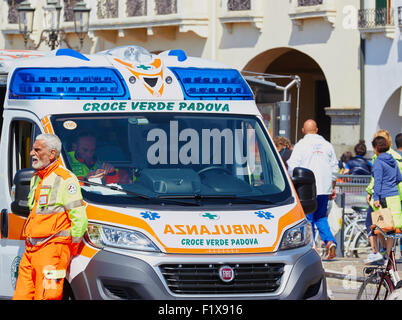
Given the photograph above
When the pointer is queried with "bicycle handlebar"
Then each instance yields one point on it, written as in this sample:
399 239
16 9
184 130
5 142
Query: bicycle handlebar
393 235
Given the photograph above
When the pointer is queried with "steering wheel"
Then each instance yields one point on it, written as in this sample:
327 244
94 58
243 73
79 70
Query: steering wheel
210 168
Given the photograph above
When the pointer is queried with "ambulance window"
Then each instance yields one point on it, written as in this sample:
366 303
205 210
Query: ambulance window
22 135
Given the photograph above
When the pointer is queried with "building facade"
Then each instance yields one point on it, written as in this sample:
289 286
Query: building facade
380 24
317 40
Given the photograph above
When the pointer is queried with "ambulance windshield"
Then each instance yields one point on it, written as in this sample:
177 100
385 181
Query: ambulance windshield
172 157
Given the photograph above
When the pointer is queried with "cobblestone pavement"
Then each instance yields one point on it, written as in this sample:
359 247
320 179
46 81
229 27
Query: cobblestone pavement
338 268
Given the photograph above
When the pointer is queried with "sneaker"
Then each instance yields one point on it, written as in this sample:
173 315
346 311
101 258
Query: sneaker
374 257
331 250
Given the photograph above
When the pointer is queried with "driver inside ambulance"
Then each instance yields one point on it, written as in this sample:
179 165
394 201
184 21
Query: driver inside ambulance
85 164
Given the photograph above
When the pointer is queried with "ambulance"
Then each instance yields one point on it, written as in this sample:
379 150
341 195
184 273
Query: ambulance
198 204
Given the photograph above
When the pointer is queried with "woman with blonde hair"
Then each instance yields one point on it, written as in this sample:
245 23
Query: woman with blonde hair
385 134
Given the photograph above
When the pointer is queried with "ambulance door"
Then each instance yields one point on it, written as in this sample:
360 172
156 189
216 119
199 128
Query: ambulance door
19 132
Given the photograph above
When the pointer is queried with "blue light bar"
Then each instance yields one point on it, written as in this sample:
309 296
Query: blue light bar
212 84
68 83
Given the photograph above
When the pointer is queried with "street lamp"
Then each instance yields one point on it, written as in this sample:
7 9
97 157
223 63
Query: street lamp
52 22
25 20
52 12
81 20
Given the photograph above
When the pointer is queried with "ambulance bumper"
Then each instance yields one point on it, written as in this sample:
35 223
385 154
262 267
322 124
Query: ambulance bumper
118 274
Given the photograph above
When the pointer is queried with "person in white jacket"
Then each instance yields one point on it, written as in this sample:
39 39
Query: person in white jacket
317 154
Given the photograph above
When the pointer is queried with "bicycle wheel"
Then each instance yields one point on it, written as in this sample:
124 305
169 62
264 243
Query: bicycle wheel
350 235
361 245
369 288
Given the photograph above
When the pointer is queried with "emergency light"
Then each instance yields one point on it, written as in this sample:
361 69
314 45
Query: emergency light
212 84
68 83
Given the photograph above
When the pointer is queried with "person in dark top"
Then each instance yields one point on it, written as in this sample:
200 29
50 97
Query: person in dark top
284 147
358 165
345 157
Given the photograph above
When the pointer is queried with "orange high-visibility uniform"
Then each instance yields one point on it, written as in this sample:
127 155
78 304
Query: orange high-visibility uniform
57 218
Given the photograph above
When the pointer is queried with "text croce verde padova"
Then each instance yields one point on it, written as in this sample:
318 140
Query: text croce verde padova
183 106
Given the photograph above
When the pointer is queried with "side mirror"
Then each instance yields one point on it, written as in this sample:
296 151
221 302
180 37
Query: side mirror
304 182
22 180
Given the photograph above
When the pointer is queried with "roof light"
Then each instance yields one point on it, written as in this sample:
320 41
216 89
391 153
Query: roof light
212 84
180 54
68 83
71 53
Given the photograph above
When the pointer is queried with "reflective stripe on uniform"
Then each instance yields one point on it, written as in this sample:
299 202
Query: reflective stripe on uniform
53 195
74 204
54 274
38 241
50 210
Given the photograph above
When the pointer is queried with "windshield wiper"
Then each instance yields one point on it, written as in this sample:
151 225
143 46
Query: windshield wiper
266 201
115 189
200 197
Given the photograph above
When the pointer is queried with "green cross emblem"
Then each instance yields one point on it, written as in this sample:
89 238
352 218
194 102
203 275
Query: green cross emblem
144 67
210 216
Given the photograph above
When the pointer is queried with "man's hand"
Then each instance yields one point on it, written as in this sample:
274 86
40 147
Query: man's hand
99 173
377 203
333 195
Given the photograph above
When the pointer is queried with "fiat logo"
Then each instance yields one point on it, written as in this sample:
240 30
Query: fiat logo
226 273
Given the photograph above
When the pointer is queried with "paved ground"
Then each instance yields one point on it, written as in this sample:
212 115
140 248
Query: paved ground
338 268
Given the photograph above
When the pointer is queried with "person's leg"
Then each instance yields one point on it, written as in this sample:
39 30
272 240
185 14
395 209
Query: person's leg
25 287
372 237
321 220
51 263
388 245
375 255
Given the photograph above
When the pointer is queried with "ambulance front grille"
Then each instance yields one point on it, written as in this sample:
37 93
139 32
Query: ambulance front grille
204 278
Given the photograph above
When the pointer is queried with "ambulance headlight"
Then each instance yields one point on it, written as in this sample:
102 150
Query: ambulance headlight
298 236
102 236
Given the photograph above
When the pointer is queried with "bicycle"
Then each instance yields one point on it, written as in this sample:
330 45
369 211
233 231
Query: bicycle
356 240
382 280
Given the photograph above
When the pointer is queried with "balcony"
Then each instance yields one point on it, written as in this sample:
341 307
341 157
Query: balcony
188 15
380 20
240 12
303 10
9 21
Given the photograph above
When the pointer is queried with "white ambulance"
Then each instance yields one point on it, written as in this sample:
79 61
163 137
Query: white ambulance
198 204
